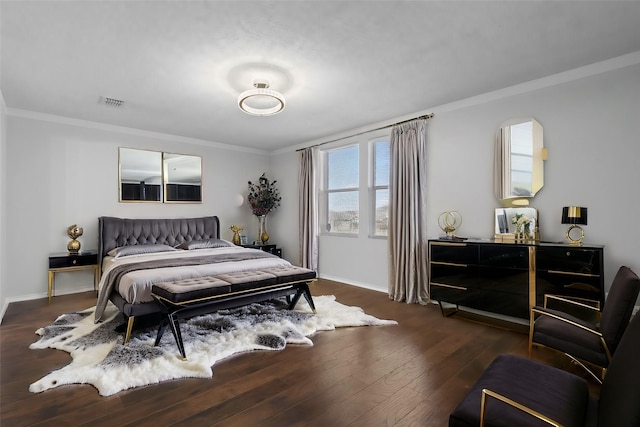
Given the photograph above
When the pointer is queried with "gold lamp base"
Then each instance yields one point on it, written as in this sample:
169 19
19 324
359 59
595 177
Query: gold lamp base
573 241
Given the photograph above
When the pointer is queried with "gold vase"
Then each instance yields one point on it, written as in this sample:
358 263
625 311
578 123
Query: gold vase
263 236
236 240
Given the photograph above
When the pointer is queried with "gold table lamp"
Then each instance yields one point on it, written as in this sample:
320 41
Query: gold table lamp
576 216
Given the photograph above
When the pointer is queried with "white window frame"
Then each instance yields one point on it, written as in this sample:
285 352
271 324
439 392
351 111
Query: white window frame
374 188
324 204
366 188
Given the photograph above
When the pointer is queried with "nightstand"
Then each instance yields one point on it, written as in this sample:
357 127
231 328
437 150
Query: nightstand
66 262
272 249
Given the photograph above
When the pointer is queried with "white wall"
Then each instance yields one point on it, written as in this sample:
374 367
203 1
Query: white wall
591 132
63 172
3 204
590 129
283 222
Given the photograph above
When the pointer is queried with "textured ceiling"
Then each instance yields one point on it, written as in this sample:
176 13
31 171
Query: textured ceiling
179 66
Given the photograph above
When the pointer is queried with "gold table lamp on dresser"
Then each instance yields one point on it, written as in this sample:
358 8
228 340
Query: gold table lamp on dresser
576 216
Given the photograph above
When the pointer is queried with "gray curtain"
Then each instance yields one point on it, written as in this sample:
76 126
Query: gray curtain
408 248
308 211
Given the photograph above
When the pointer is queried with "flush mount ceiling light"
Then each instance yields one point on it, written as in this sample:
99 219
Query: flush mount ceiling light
261 101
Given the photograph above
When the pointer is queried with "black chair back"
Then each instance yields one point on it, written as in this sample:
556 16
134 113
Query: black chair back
619 306
620 393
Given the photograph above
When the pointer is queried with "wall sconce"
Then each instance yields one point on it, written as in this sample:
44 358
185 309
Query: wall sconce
576 216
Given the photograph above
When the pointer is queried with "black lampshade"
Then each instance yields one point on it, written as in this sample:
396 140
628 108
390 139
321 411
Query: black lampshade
574 215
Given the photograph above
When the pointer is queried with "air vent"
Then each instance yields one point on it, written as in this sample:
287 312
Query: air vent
111 102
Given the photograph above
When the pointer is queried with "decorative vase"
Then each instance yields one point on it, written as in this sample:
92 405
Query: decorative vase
236 238
263 236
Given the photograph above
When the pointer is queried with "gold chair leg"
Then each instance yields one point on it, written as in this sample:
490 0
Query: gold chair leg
531 321
52 281
129 329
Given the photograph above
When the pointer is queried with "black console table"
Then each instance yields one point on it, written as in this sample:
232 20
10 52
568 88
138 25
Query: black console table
510 278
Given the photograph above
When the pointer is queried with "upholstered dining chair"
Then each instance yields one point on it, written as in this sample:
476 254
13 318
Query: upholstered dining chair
516 391
595 341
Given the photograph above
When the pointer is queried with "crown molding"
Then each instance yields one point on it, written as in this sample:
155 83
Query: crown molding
518 89
52 118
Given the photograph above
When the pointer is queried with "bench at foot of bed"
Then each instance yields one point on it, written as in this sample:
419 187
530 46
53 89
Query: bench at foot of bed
187 298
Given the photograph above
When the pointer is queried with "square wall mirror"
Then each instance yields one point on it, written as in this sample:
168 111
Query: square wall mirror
140 175
154 176
182 178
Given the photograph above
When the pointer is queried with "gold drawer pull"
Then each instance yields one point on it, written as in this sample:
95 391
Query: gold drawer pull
569 273
448 286
75 261
448 263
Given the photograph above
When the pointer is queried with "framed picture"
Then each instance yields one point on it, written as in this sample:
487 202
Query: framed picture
512 221
243 239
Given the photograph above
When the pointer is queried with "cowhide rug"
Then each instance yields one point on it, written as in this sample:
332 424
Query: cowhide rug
101 359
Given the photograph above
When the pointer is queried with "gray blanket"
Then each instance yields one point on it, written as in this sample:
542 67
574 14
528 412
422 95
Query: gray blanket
114 275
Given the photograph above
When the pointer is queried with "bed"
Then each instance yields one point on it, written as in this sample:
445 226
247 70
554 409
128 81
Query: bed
136 254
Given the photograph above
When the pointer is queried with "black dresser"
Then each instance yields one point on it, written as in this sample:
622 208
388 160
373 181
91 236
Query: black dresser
509 278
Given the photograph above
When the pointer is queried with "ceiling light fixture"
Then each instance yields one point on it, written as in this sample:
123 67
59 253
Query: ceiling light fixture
261 101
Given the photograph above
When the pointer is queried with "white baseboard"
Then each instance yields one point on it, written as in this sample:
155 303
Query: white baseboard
353 283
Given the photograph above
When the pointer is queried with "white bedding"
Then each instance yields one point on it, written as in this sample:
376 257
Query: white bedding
135 286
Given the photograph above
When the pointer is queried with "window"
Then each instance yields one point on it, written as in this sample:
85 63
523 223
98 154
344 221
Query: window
355 188
342 190
380 188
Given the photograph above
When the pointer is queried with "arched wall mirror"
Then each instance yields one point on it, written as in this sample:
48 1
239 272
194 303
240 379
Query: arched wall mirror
519 155
154 176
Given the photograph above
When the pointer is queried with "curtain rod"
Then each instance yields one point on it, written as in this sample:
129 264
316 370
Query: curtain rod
425 117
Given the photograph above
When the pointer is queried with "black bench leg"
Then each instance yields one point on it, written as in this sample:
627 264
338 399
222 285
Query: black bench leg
302 290
293 301
175 328
307 296
163 325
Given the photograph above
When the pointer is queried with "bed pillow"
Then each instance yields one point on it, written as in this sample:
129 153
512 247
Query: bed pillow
203 244
138 249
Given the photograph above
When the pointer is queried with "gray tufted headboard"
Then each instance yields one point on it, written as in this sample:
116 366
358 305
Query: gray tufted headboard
115 232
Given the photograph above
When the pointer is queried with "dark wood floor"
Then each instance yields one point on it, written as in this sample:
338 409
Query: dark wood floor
412 374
